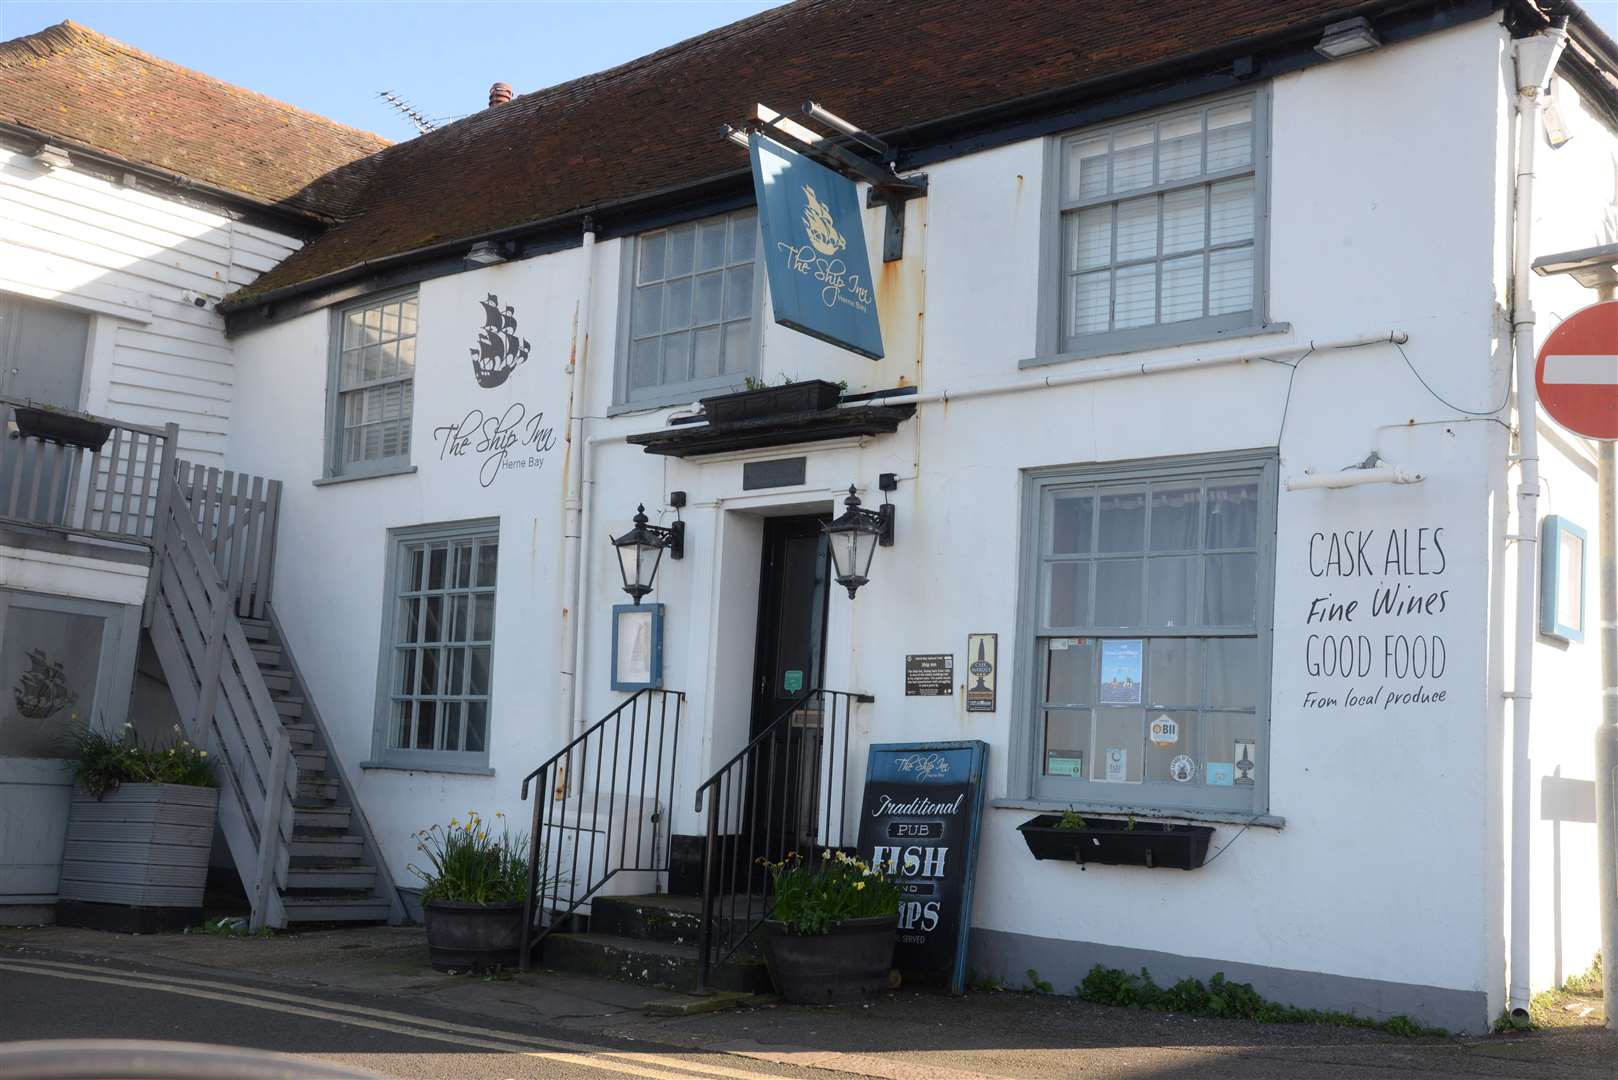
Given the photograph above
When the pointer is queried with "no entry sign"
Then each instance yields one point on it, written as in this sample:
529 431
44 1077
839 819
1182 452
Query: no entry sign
1577 372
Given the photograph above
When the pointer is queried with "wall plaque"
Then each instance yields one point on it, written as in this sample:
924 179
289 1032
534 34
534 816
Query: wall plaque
929 675
919 820
981 664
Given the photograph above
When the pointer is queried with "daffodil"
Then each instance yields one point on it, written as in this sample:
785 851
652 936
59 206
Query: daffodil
858 885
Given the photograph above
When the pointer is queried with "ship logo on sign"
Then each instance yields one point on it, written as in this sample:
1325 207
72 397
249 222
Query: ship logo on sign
819 224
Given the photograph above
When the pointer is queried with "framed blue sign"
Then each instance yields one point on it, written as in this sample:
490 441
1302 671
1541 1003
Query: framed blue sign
1561 581
637 646
919 821
814 249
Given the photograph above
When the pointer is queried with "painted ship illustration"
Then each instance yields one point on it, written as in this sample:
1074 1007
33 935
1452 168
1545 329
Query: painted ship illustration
42 690
499 350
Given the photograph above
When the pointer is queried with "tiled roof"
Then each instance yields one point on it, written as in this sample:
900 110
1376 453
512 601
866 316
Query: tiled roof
653 124
71 83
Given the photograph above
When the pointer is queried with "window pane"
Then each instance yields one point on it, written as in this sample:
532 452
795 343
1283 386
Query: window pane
1119 742
1231 207
643 360
488 562
353 323
483 618
1171 587
738 345
739 292
1087 168
477 726
711 244
426 726
707 360
437 563
463 566
1122 519
460 617
1182 289
1174 671
405 680
710 289
743 228
653 251
1230 740
1229 589
1071 524
1183 220
676 358
1230 136
1136 303
1132 158
1179 148
1171 738
455 676
1118 592
1067 742
428 682
648 311
451 713
432 626
1232 514
1232 673
479 684
1069 595
677 304
1230 281
1176 512
1088 300
1137 229
403 715
1069 672
682 248
1091 232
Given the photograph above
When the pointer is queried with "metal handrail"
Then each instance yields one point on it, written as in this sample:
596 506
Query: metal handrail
811 799
562 776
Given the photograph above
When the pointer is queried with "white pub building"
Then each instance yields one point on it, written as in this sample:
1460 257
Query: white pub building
1192 471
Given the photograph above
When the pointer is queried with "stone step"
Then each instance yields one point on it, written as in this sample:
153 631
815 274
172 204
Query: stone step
290 708
311 763
257 629
326 817
354 877
654 963
676 920
314 909
326 849
317 790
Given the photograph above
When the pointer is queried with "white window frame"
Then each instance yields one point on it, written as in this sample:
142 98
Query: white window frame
1052 344
383 753
626 400
1026 774
334 467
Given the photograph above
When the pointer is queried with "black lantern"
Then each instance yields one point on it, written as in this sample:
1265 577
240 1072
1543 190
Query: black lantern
640 550
855 535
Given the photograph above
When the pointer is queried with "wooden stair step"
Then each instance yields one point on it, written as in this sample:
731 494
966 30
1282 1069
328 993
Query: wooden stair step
300 734
268 656
277 680
355 877
289 707
318 790
257 629
328 817
326 848
306 909
310 761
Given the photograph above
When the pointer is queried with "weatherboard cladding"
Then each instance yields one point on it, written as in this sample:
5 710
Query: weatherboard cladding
652 125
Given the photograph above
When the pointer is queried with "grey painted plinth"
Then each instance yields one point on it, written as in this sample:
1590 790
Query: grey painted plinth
143 845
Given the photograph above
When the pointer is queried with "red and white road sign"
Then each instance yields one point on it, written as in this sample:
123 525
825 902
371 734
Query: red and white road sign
1577 372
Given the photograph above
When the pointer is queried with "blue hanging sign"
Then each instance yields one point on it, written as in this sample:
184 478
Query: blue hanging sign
814 249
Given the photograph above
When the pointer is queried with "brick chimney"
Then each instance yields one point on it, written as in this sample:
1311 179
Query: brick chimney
499 94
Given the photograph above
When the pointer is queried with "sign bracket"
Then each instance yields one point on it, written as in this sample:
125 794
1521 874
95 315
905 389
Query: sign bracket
848 150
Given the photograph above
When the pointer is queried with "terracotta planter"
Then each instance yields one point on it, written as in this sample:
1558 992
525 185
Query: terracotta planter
464 936
849 964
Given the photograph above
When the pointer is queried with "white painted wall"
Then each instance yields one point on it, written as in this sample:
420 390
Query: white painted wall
1386 213
128 256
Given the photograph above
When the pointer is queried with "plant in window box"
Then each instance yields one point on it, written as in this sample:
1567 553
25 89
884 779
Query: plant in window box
139 829
833 929
472 893
1071 837
760 400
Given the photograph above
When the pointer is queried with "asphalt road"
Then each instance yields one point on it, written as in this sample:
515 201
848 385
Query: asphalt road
55 999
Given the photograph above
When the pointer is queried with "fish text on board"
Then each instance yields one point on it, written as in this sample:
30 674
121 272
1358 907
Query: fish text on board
912 862
1355 553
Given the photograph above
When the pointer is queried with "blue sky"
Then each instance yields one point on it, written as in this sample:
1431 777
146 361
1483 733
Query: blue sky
332 56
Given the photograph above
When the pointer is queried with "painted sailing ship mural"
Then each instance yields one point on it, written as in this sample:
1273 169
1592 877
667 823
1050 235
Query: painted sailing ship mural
499 350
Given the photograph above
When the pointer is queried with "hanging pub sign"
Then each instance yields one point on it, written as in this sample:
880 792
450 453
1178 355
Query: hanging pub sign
814 249
919 822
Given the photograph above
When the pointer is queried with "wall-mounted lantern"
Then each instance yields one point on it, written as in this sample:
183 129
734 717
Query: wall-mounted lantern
640 550
855 535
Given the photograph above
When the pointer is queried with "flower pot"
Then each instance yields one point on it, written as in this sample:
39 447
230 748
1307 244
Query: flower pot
1118 843
851 963
467 936
137 859
811 395
68 429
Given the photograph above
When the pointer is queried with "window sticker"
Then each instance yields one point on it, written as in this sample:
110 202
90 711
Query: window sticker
1246 754
1165 731
1183 769
1064 762
1117 764
1220 773
1060 643
1120 671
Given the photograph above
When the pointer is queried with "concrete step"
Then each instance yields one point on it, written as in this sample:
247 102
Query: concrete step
323 791
290 708
655 963
257 629
311 763
314 909
323 850
326 817
676 920
352 877
300 734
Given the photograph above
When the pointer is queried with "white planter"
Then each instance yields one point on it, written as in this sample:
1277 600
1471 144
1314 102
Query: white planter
142 846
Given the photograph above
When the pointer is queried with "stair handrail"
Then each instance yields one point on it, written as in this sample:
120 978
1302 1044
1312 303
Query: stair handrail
557 776
717 943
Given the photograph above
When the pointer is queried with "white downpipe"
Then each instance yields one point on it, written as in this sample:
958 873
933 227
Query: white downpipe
572 500
1535 60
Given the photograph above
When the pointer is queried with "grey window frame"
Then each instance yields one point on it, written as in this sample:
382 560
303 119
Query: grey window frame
384 755
684 393
333 467
1025 774
1050 348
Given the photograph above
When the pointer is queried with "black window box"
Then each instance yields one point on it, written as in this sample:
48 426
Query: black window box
1118 842
61 427
812 395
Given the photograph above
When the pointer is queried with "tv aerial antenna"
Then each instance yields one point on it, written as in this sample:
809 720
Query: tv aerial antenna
408 111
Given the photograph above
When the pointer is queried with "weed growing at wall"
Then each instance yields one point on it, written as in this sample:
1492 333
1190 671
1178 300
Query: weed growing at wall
1219 997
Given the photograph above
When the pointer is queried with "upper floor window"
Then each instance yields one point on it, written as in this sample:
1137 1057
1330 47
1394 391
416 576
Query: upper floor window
1159 229
373 381
688 310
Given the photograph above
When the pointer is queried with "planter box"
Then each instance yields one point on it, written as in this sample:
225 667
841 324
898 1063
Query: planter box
137 859
472 937
813 395
59 427
852 963
1111 841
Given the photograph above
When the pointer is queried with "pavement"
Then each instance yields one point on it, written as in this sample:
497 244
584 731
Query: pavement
366 997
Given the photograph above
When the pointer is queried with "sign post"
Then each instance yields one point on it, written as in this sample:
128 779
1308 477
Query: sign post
1577 374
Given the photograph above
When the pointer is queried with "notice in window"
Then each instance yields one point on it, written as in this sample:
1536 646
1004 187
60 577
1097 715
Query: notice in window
1121 671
